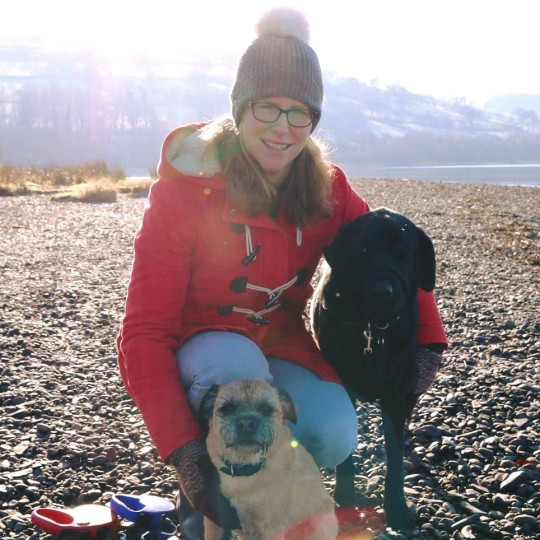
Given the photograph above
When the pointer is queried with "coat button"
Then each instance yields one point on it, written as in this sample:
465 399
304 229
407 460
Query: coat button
239 284
234 212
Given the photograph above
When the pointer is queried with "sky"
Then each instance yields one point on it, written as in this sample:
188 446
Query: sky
463 49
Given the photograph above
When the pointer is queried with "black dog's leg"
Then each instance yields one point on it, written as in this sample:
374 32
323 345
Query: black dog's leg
396 511
344 493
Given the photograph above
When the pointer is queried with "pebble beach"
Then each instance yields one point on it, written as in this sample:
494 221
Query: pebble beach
70 435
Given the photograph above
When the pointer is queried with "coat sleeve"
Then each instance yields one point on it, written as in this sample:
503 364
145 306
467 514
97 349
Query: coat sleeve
430 325
153 317
350 203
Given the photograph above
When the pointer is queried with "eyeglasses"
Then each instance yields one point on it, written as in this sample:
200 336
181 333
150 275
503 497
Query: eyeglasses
270 113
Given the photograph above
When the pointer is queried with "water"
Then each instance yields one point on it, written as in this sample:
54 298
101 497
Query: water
504 175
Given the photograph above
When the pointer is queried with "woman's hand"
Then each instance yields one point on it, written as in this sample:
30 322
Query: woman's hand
199 480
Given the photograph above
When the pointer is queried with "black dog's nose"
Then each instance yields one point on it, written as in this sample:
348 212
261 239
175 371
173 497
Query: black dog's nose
246 424
383 290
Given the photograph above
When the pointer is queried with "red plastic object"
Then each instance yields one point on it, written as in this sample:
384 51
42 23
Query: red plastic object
359 522
87 517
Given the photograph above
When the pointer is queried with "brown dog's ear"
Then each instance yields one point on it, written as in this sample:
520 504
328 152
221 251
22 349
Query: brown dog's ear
206 408
427 261
287 406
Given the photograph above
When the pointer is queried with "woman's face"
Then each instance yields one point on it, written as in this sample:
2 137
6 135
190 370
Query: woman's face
273 145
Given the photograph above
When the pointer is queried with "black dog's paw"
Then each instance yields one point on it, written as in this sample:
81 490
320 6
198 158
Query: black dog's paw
361 501
400 517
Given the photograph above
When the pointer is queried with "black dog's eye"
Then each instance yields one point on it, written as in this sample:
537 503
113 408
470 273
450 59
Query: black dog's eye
361 248
400 248
396 242
227 409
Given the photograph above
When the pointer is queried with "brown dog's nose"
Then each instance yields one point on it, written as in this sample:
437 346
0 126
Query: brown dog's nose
247 424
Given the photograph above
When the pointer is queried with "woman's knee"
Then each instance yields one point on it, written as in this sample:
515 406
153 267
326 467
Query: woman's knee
331 438
327 424
218 357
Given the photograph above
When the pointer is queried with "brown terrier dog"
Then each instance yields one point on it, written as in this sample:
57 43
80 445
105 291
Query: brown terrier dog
271 480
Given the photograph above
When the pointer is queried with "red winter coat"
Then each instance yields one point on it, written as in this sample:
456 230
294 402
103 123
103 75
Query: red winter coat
188 275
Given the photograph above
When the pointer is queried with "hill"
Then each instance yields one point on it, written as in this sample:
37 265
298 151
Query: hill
69 106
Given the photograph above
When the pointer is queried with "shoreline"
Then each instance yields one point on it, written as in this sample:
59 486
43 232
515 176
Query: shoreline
535 183
435 181
527 175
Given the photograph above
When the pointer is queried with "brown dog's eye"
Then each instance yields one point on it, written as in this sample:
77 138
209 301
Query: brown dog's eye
266 410
227 409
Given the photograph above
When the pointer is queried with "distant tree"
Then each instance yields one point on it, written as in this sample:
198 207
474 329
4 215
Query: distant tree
27 106
4 106
528 118
470 114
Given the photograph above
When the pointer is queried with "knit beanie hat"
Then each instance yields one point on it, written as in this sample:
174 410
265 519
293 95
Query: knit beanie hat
279 63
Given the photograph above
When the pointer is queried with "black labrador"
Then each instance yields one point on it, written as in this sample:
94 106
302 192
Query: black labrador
364 316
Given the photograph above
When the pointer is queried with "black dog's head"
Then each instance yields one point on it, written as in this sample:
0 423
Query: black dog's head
379 260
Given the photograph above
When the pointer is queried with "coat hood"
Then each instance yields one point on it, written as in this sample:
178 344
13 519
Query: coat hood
185 154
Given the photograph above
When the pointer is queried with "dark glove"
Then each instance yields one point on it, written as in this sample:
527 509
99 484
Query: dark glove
428 361
199 480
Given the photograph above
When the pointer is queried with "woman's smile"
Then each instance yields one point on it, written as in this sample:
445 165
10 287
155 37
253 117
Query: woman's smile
275 145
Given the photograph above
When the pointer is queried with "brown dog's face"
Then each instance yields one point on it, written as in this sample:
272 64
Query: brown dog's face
246 416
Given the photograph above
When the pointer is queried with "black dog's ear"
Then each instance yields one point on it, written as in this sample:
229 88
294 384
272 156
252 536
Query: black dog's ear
335 252
206 408
427 261
330 251
287 406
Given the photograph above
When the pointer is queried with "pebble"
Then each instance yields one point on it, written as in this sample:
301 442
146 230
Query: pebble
525 519
69 433
513 481
458 525
500 500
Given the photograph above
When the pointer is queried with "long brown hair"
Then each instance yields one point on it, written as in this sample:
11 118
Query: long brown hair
305 193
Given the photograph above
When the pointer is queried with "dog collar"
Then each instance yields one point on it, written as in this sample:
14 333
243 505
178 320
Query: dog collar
241 470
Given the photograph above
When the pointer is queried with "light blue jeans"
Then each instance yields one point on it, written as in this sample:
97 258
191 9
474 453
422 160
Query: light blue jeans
326 425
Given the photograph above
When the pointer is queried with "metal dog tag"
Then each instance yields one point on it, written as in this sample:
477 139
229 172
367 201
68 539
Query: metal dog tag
369 338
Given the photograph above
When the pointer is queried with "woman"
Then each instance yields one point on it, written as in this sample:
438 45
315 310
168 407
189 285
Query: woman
230 239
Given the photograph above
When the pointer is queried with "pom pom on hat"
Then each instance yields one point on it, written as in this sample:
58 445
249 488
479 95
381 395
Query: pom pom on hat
279 62
283 22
